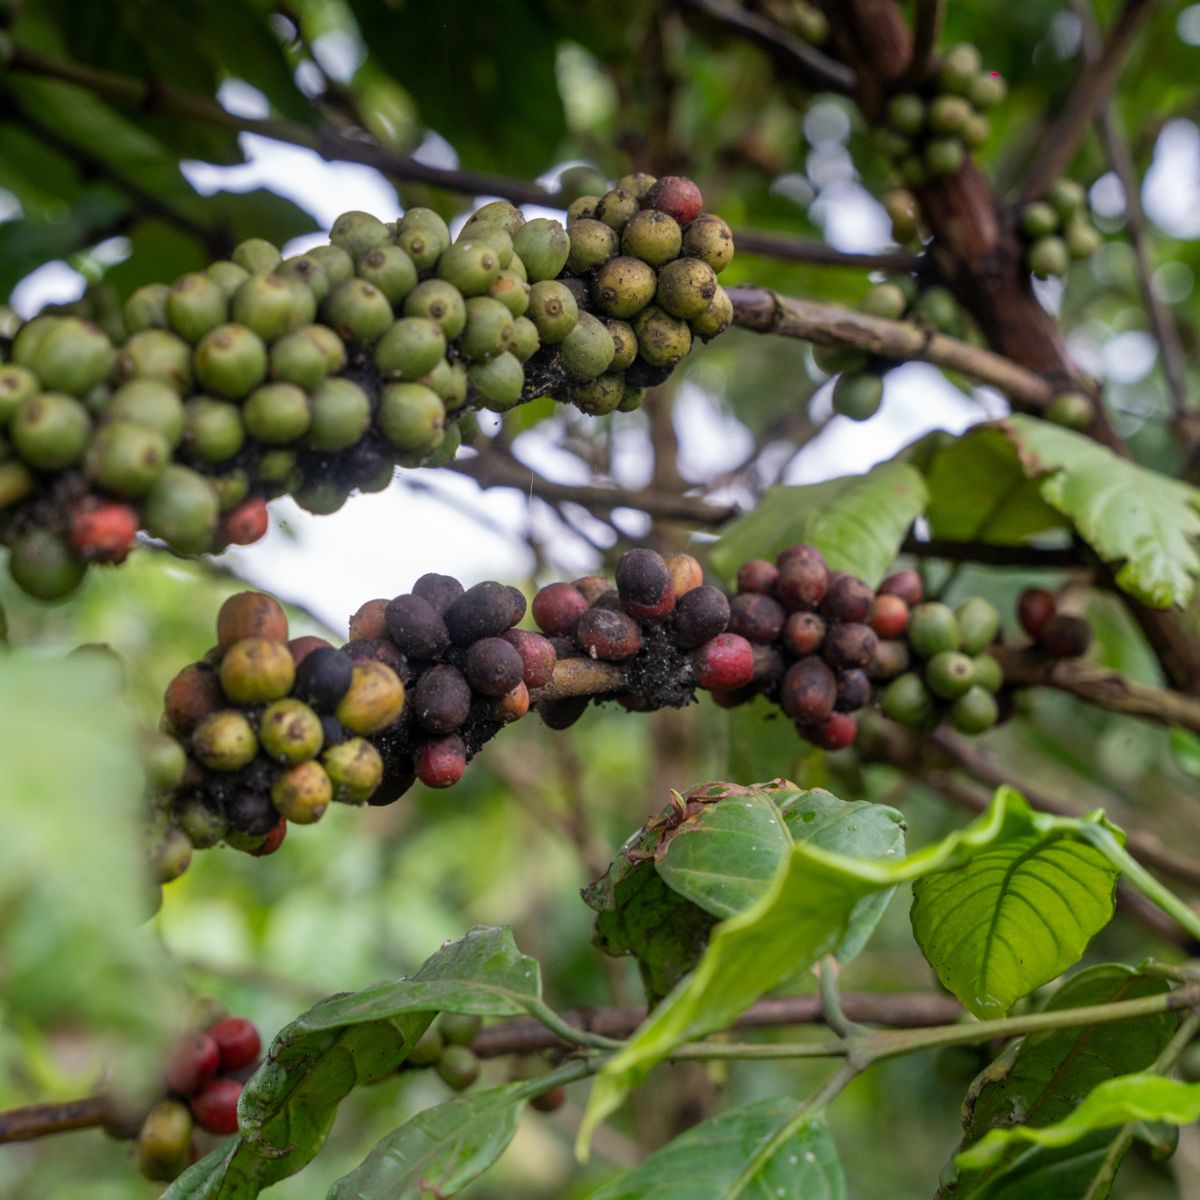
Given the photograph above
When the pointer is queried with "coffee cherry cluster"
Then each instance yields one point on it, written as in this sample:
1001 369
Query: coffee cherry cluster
446 1047
205 1074
318 374
954 677
1057 229
931 132
1055 634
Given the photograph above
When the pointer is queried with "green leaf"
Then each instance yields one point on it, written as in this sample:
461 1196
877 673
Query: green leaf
288 1106
744 1154
1013 916
1042 1076
1139 1097
858 521
806 913
440 1151
74 891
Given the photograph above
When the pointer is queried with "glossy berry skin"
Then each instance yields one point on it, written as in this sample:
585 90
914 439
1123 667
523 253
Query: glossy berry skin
849 645
537 656
494 667
441 699
608 635
193 1062
888 616
272 841
905 584
1035 607
103 532
757 575
645 585
1064 636
723 663
699 616
755 617
214 1107
808 691
848 599
416 627
836 732
803 633
238 1042
251 813
441 762
677 197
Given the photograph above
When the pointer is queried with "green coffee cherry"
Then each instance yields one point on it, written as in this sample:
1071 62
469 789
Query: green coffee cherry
1048 256
30 336
73 357
632 399
306 271
624 341
892 143
358 311
441 302
321 497
885 300
17 384
857 395
274 466
499 213
50 431
512 291
227 275
488 329
709 239
906 112
459 1029
357 232
581 181
163 1141
662 339
948 114
427 1049
958 69
637 184
150 403
987 89
686 287
616 207
524 341
543 246
582 208
146 308
341 414
290 732
231 361
937 306
451 441
907 701
495 237
552 308
624 286
204 825
1082 237
355 770
838 357
423 236
1071 410
588 350
655 238
157 354
256 256
978 624
410 347
411 416
1066 197
213 429
126 458
499 381
277 413
599 397
949 673
932 629
592 244
181 508
302 793
913 171
458 1067
257 670
232 488
272 305
988 673
976 131
195 304
944 155
225 741
16 482
471 267
974 711
307 355
42 565
716 318
1038 219
449 380
334 261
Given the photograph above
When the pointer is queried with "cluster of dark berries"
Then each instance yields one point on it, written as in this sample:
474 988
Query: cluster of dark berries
205 1075
952 675
1057 229
319 374
931 132
1055 634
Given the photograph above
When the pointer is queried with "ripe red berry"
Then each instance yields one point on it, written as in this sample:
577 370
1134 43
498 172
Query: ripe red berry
192 695
441 762
193 1062
645 585
215 1106
103 531
888 615
723 663
273 840
302 647
757 575
608 635
848 599
905 584
808 691
513 705
537 656
836 732
801 552
803 633
699 616
557 607
369 621
238 1042
677 197
1035 607
246 524
756 617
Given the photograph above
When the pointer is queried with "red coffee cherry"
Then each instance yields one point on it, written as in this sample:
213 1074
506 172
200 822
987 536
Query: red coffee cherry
808 691
905 584
1034 608
193 1062
757 575
557 607
836 732
645 585
238 1042
888 616
803 633
214 1107
441 762
723 663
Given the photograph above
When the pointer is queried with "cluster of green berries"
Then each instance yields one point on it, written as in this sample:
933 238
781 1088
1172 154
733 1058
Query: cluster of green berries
319 374
1057 229
206 1071
858 392
931 132
803 19
446 1047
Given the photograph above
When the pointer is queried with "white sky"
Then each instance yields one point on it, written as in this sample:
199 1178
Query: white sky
378 544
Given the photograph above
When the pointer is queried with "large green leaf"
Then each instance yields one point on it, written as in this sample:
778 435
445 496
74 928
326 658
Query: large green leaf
346 1041
748 1153
1120 1101
805 913
74 891
857 521
1013 916
1043 1075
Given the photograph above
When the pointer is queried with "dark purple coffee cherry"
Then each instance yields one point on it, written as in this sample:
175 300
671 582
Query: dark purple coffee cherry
416 627
485 610
333 730
323 678
808 691
755 617
441 699
850 645
769 665
853 690
700 616
757 575
557 607
1064 636
519 605
440 591
802 582
251 813
380 650
494 667
645 585
848 599
607 635
562 714
397 780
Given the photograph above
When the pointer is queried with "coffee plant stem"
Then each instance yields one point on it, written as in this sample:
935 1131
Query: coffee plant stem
831 1000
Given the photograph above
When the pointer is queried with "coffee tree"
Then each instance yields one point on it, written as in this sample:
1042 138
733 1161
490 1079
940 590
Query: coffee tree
601 898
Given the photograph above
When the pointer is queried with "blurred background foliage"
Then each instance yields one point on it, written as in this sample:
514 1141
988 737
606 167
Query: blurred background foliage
110 195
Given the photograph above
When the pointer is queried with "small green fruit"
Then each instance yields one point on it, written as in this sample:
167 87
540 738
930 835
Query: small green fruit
17 384
321 497
411 347
302 793
358 311
1038 219
686 288
525 340
459 1029
126 458
709 239
582 208
358 232
552 308
441 302
196 304
944 155
390 270
988 673
987 89
423 236
231 361
411 416
334 261
974 711
213 429
499 381
1066 197
50 431
978 624
204 825
355 771
624 286
181 508
277 413
225 741
958 69
1048 256
857 395
932 629
341 414
625 344
512 291
500 213
837 358
274 466
458 1067
163 761
637 184
976 131
73 357
471 267
256 256
488 329
157 354
307 355
272 305
906 112
599 397
449 380
150 403
427 1049
616 208
948 114
42 565
885 300
543 246
949 673
592 244
662 339
290 732
937 306
492 236
907 701
256 670
588 350
1071 410
146 308
1082 237
227 275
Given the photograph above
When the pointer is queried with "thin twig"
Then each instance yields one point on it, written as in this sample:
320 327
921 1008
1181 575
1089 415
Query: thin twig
794 249
1043 558
927 28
